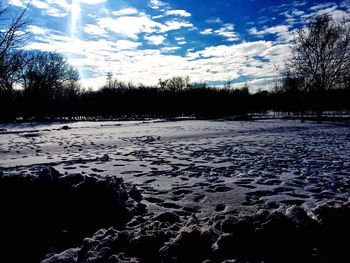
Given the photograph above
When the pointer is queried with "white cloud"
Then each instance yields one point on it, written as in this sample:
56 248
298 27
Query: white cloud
53 41
207 31
157 17
155 40
335 10
174 25
282 31
345 4
94 82
322 6
55 12
156 4
182 13
299 3
126 11
337 15
19 3
255 60
227 31
139 24
245 49
53 8
259 83
92 2
298 12
181 40
269 30
169 49
127 45
94 30
38 30
129 26
40 4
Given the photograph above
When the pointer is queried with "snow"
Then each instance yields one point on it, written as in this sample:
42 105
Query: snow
189 171
260 163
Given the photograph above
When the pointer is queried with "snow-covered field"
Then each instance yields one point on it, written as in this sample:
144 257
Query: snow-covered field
194 166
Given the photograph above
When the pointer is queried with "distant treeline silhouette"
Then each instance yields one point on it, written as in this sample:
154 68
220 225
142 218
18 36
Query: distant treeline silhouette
118 99
39 84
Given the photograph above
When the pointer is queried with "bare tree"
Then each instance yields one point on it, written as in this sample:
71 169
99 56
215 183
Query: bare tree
9 71
320 57
13 35
47 78
174 84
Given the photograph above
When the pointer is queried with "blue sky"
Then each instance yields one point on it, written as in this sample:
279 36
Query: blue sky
143 41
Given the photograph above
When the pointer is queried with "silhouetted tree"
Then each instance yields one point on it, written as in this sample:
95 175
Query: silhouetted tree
13 35
292 88
320 57
174 84
10 67
46 77
245 89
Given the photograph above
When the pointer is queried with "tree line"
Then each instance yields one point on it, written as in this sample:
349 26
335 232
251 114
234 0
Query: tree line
40 84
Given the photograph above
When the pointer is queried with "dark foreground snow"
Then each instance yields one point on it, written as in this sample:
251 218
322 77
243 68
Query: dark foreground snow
48 211
191 191
74 218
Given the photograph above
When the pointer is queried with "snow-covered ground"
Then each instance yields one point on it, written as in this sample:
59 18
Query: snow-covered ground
194 166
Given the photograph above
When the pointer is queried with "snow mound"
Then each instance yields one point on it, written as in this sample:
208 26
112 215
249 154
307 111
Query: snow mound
50 212
292 235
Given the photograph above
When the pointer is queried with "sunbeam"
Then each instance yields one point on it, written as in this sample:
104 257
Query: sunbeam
75 17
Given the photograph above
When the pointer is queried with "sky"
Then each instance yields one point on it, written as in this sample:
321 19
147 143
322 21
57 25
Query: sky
211 41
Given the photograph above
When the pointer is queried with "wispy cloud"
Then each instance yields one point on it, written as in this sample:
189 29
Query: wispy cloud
332 9
207 31
139 24
345 4
93 2
214 20
175 25
18 3
36 30
182 13
322 6
226 31
282 31
54 8
135 25
180 40
95 30
156 4
125 11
